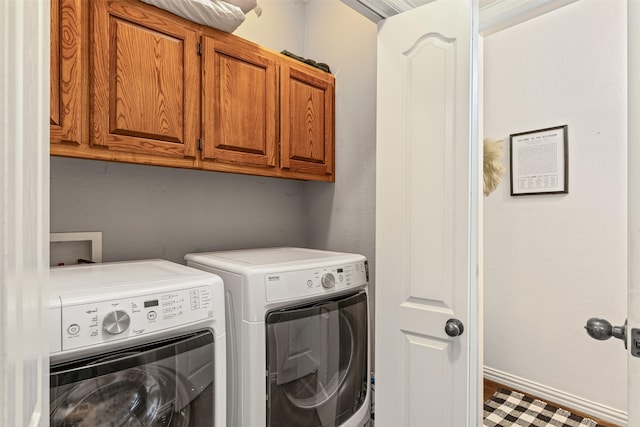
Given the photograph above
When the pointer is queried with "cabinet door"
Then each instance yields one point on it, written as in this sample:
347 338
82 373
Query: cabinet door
306 119
239 102
144 81
66 72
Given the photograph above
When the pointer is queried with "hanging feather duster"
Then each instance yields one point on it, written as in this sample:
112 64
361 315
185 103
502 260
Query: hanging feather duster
493 167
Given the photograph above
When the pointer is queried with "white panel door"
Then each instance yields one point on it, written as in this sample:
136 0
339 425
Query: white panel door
426 218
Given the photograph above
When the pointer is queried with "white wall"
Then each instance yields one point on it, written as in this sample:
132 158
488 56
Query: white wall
552 262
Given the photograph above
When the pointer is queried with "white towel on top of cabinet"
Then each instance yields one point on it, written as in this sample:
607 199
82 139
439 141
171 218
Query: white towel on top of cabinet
245 5
213 13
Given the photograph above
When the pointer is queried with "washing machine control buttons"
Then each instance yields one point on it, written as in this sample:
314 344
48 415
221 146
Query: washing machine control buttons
109 319
328 280
116 322
73 329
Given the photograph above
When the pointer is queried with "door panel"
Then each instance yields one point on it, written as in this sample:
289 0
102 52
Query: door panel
426 233
239 102
65 92
430 168
306 119
144 82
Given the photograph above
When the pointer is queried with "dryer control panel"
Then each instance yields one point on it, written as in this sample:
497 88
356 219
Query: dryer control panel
314 281
91 323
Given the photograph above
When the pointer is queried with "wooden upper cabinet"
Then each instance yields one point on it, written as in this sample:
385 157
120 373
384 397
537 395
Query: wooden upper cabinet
144 81
239 102
307 120
133 83
66 88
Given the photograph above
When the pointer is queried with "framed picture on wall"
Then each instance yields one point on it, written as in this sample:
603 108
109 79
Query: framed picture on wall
539 162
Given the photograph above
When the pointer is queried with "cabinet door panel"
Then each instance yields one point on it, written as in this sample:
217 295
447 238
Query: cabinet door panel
66 116
239 90
144 81
306 120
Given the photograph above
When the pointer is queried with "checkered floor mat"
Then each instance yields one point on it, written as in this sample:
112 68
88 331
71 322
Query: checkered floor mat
509 408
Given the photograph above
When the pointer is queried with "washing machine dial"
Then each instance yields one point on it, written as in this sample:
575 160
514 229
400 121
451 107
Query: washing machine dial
116 322
328 280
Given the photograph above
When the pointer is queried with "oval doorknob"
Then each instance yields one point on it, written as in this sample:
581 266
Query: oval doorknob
454 327
601 329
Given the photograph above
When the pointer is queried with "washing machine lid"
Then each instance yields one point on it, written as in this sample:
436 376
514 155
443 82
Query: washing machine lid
275 259
111 277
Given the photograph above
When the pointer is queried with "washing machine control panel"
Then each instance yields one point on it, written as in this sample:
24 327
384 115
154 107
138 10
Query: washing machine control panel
91 323
314 281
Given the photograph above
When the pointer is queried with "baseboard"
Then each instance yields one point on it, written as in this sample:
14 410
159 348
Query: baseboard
597 410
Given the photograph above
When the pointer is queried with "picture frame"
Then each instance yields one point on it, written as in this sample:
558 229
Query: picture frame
539 161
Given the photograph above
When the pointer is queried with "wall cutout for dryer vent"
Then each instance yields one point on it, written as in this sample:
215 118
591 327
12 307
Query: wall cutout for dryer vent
75 248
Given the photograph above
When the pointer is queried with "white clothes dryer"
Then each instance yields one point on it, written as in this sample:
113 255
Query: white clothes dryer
297 336
138 343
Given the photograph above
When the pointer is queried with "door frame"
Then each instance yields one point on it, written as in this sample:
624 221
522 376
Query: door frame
24 213
633 196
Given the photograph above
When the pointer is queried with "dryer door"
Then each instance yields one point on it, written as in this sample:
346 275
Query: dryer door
317 362
164 384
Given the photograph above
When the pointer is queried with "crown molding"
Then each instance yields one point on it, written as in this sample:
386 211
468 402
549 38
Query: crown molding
495 15
501 14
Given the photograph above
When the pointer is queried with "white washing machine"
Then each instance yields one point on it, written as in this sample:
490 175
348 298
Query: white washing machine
297 336
139 343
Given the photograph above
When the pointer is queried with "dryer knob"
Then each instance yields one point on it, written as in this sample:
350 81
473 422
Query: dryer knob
116 322
328 280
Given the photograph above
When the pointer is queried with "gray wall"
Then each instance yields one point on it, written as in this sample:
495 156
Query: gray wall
342 216
149 211
158 212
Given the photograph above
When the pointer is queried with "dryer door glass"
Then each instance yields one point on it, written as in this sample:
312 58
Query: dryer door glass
163 384
317 362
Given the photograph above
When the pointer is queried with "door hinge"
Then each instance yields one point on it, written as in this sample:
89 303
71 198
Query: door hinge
199 144
199 49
